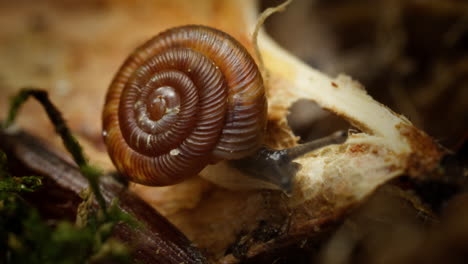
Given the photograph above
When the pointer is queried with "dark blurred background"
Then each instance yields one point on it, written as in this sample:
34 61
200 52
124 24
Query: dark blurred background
411 55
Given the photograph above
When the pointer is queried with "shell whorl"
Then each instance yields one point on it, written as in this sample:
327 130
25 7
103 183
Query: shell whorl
190 96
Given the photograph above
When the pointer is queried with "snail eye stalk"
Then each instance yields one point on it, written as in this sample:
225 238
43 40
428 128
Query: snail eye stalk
277 166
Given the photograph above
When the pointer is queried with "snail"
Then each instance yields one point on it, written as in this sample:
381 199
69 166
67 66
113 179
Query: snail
189 97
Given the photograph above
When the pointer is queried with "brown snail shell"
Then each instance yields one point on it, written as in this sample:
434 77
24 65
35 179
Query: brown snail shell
188 97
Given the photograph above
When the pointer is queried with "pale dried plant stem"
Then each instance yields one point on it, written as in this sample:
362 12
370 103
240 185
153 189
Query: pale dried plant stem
261 20
342 96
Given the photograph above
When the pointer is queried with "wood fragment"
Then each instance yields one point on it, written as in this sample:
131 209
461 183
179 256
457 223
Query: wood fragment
154 241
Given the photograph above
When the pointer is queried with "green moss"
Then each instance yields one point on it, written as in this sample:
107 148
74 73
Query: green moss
26 238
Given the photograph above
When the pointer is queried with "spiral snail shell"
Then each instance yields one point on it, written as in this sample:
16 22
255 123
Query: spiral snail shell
188 97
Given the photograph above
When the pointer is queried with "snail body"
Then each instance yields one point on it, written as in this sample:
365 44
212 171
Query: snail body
189 97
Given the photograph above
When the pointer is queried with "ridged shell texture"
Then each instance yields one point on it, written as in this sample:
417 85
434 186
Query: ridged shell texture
190 96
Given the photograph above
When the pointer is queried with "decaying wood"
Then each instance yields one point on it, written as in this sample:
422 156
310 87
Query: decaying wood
155 240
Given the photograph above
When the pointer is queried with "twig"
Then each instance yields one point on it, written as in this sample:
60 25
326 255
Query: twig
153 240
70 142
